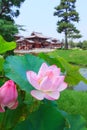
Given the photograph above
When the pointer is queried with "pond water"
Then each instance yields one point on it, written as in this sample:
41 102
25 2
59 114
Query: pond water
82 86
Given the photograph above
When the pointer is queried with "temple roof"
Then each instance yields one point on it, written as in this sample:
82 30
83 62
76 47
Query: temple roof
37 35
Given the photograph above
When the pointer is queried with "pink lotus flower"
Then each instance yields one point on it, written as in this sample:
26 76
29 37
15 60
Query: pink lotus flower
8 96
48 82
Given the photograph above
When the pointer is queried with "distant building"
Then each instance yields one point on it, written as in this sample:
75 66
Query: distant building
36 40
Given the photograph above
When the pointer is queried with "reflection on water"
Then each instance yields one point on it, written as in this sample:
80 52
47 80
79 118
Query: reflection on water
82 86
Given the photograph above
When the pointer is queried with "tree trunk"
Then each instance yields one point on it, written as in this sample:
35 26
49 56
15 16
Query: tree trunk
66 41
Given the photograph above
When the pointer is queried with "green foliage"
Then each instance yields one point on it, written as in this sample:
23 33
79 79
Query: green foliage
46 117
1 62
8 29
73 102
71 44
73 76
6 46
2 79
10 118
50 117
84 45
8 10
67 16
16 67
75 122
79 44
75 35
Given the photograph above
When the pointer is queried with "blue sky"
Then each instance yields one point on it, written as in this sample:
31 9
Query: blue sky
37 15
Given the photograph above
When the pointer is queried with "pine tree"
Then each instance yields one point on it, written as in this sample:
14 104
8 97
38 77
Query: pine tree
67 15
8 10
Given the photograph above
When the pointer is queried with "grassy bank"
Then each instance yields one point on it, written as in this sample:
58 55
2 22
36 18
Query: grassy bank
78 57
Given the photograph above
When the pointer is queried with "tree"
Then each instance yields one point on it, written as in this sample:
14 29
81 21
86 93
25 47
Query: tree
71 44
79 44
67 16
8 29
84 45
8 10
74 35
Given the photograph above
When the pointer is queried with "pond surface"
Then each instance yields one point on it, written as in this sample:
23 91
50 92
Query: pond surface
82 86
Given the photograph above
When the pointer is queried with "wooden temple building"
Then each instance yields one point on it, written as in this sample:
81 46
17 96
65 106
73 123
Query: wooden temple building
36 40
